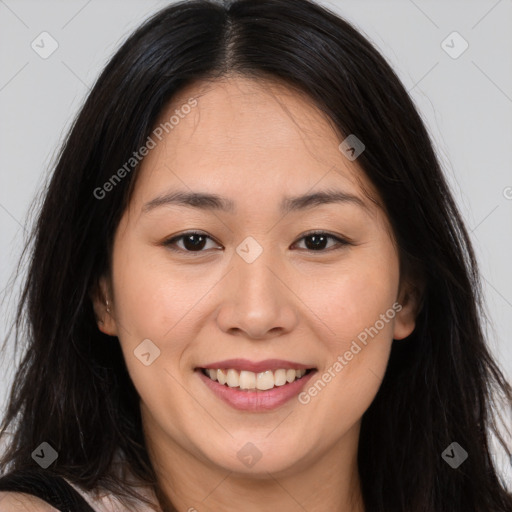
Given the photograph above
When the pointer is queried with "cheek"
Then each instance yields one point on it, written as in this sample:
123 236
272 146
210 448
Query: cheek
153 297
153 303
351 297
357 307
355 363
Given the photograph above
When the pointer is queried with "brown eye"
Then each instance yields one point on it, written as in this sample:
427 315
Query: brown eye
317 241
195 242
192 242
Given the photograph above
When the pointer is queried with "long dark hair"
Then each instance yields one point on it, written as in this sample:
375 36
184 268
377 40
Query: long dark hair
72 388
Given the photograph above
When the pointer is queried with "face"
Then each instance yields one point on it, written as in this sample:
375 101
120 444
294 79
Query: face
253 293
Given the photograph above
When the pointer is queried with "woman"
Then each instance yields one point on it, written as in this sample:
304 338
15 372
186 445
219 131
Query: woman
250 286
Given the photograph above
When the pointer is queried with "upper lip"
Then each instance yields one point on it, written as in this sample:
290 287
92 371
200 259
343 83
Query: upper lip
257 366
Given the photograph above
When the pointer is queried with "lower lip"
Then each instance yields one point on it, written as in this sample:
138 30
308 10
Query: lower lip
256 400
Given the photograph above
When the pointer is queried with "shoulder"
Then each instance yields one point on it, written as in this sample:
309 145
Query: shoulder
20 502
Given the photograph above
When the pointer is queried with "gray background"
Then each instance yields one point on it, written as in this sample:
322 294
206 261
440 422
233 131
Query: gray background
466 103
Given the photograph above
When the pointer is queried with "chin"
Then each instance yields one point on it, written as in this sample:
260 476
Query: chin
257 460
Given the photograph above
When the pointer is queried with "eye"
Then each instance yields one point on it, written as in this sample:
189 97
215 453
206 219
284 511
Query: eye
316 241
194 241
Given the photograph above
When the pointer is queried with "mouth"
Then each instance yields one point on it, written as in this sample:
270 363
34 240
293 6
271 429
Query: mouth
255 387
244 380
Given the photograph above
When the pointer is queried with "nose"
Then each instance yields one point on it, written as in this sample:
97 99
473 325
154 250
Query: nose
258 301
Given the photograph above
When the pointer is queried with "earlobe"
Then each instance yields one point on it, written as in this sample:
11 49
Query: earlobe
103 308
405 321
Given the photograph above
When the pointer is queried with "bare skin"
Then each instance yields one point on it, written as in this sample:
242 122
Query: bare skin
253 143
19 502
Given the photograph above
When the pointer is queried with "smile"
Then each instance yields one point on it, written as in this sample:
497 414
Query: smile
256 387
246 380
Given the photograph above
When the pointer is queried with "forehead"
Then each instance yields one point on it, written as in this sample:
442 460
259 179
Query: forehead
244 137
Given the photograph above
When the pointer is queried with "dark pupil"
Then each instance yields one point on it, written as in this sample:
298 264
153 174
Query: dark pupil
190 245
318 242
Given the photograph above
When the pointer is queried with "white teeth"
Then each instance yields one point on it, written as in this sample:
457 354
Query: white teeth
280 377
252 381
221 377
290 375
265 380
247 380
233 379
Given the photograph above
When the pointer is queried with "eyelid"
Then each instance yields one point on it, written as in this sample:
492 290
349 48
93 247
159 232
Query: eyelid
341 241
170 241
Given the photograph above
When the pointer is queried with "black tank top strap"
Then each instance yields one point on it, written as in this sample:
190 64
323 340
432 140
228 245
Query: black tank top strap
49 487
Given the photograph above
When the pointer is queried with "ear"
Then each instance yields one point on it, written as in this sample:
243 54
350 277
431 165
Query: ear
103 310
410 298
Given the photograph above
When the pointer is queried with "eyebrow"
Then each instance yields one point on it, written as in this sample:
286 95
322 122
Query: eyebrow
214 202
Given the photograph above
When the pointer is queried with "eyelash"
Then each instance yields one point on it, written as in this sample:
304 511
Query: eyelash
171 241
